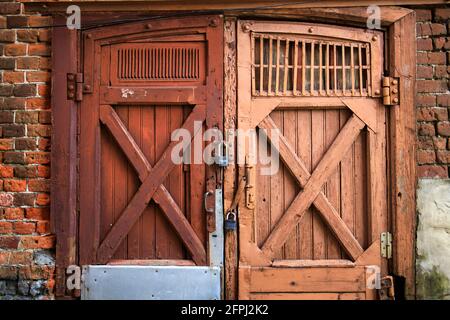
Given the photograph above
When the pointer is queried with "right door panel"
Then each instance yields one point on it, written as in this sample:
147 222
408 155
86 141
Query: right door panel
314 231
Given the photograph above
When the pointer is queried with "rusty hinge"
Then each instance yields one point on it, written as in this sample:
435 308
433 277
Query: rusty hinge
386 291
386 245
75 86
391 95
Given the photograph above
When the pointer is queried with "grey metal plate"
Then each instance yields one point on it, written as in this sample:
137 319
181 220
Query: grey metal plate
150 283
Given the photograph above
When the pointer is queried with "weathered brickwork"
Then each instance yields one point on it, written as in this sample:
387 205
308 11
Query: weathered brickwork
26 244
433 95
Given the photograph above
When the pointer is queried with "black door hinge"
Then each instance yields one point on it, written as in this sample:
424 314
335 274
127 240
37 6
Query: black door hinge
75 86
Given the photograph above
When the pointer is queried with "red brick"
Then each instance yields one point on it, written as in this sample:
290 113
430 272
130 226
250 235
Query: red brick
45 35
37 157
13 157
20 257
22 227
38 185
426 156
5 227
439 143
8 272
6 171
6 199
24 199
43 227
44 144
44 90
27 35
437 58
432 172
25 90
9 242
442 14
37 242
6 144
444 100
7 63
423 29
438 29
443 156
15 49
13 130
9 8
14 104
28 63
43 172
424 142
25 171
35 272
426 129
42 199
37 213
38 130
441 43
3 24
38 49
424 44
13 77
14 213
39 21
27 117
38 76
14 185
443 128
431 86
25 144
424 72
37 103
7 35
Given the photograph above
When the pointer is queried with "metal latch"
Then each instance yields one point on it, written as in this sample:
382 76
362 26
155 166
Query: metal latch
221 159
386 245
386 291
75 86
391 95
249 187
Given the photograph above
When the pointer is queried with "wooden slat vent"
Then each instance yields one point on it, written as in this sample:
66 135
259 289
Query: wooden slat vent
159 63
296 66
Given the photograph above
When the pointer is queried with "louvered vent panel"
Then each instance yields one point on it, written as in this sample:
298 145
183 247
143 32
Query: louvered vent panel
158 62
296 66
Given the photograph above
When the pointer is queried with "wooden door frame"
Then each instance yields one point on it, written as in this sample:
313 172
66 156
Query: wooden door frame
400 26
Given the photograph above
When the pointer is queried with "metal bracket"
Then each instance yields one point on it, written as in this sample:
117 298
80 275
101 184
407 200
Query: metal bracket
387 292
391 95
75 86
386 245
249 187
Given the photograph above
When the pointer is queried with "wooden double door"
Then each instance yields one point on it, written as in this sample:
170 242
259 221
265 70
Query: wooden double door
312 229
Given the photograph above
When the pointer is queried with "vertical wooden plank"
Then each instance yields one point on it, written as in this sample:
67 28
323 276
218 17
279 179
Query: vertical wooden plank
148 231
269 85
253 66
294 83
327 69
360 70
304 137
63 188
286 66
303 67
344 70
261 65
290 185
320 68
312 69
317 151
335 82
333 191
402 130
360 190
277 77
352 69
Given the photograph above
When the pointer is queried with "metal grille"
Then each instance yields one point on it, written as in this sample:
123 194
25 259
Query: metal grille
295 66
158 63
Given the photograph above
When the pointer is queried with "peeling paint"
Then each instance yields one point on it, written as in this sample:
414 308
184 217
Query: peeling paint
126 92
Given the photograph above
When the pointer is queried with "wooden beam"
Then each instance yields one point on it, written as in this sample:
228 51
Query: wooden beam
63 188
402 130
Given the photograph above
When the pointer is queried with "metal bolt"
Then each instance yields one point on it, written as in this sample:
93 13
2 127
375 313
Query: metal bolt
213 23
394 90
89 36
71 87
310 30
374 38
70 77
394 82
148 26
377 92
87 87
395 100
246 27
71 95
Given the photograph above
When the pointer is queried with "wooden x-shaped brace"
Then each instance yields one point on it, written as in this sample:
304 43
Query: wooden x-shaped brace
312 185
151 187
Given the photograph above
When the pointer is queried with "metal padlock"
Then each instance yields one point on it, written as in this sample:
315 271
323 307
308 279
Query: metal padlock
230 220
222 158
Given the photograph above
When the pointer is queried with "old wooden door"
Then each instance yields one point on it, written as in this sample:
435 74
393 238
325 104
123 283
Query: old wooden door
141 82
311 230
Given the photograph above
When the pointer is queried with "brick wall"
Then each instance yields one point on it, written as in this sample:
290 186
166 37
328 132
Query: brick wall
26 257
433 96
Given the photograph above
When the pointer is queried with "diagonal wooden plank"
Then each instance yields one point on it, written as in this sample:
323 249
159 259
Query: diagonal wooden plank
145 193
162 196
312 188
326 209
